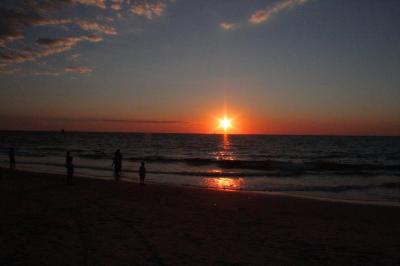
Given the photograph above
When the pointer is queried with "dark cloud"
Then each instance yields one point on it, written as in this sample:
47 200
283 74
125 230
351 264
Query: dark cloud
44 6
44 47
83 24
111 120
98 120
15 18
61 42
12 24
20 15
144 121
14 56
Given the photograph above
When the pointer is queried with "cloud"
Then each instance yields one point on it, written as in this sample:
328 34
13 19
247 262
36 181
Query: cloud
59 45
44 47
45 6
263 15
98 3
83 24
46 73
116 5
93 120
94 26
93 38
60 42
8 71
12 24
17 17
14 21
137 121
15 56
116 120
227 26
148 10
75 56
79 70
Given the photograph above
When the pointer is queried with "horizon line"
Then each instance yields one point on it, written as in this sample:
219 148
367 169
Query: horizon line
198 133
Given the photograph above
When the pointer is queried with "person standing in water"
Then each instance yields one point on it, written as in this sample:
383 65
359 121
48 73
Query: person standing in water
117 163
11 156
142 173
70 167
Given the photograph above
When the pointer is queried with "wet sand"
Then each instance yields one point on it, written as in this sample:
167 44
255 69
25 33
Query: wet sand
43 221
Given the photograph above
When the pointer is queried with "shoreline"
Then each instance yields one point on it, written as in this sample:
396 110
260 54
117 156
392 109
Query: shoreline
270 193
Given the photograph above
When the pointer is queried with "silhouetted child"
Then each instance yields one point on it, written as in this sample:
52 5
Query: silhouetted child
117 162
70 167
142 173
11 156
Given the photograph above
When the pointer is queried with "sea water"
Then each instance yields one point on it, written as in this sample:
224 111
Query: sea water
337 167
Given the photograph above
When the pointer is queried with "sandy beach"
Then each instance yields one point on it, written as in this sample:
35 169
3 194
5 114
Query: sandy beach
96 222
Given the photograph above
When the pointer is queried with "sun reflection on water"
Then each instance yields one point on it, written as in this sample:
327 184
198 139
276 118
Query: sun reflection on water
224 151
225 183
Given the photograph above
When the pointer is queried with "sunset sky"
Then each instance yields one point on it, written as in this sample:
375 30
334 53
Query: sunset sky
274 66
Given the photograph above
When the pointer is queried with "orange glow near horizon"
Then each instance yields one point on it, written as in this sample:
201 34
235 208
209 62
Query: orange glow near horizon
208 121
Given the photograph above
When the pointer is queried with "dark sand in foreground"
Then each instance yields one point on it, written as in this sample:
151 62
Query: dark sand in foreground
94 222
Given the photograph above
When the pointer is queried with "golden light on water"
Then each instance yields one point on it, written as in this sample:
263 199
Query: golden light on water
224 183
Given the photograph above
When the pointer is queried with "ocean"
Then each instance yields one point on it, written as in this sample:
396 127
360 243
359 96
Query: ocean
332 167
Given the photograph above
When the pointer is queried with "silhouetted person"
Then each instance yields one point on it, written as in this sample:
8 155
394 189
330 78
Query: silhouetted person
142 173
70 167
117 163
11 156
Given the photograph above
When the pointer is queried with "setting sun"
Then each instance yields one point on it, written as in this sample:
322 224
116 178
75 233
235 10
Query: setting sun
225 123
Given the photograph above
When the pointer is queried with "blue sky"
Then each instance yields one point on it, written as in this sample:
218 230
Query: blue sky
291 66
